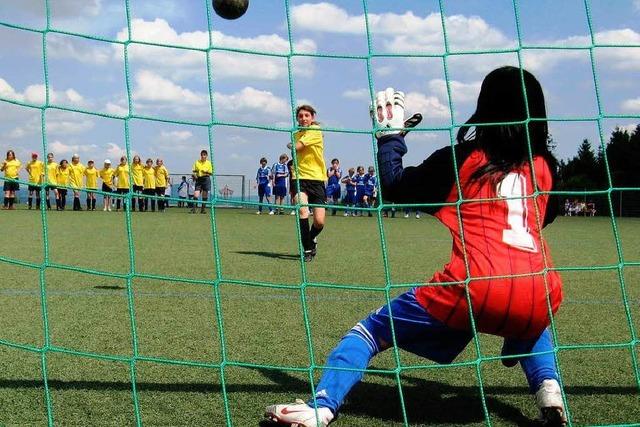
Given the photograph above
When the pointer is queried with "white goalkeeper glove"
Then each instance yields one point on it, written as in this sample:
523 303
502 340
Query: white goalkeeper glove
388 114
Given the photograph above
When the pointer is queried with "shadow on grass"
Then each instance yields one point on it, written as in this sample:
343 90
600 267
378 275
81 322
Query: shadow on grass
426 402
270 255
110 288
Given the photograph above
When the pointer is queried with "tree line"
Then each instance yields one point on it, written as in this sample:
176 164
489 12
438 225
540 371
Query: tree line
614 166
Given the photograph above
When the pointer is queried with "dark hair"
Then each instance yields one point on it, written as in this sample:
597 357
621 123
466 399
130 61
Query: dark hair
502 99
12 153
204 152
334 160
263 160
306 107
63 161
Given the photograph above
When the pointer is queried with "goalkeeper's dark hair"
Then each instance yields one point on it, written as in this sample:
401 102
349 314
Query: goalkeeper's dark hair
501 100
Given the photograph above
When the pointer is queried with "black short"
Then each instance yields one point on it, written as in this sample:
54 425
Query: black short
106 188
49 187
160 191
34 188
314 190
11 186
203 183
138 188
122 190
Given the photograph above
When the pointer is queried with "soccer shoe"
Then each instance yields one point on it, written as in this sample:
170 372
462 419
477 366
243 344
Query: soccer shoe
258 213
346 214
308 256
314 249
417 215
549 402
406 215
298 414
271 213
292 213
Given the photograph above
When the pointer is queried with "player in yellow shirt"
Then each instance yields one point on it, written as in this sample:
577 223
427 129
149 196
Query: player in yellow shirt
122 186
63 177
138 185
35 169
162 179
149 185
76 176
202 169
310 178
106 174
11 168
91 175
51 180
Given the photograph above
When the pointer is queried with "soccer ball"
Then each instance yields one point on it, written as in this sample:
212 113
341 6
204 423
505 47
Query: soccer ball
230 9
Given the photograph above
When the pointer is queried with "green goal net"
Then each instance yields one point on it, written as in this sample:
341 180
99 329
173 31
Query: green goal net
623 351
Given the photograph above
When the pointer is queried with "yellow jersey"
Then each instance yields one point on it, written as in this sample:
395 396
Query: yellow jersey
201 168
136 173
122 173
149 178
162 176
35 168
311 157
106 174
11 168
52 172
92 178
75 175
63 176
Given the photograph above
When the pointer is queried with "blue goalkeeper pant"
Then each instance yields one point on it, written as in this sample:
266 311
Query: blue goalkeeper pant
419 333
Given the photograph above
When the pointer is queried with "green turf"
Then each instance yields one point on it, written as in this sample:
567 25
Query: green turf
178 321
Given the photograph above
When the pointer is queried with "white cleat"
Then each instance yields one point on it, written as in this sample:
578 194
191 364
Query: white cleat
292 213
550 404
258 213
299 414
417 216
271 213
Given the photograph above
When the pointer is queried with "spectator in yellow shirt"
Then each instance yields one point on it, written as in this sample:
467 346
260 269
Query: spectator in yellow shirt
35 169
202 169
91 175
52 171
62 179
162 178
122 187
138 185
149 185
11 168
106 174
76 173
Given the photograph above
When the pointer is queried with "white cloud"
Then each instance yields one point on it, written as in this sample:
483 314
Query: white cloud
57 123
116 109
60 148
60 8
251 100
154 88
175 135
462 93
631 105
115 151
357 94
429 106
636 5
181 64
35 94
88 52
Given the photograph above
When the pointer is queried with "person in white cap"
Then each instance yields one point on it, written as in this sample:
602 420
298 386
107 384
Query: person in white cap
106 174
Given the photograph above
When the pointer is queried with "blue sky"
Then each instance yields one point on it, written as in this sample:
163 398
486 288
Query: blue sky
169 83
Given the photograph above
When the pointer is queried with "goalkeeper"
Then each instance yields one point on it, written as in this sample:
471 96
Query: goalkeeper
499 260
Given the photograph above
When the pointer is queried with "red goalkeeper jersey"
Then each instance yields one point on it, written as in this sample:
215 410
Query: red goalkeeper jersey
498 256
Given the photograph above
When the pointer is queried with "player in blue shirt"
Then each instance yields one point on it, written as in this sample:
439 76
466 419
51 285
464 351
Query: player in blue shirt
263 180
359 179
280 173
370 188
350 198
334 173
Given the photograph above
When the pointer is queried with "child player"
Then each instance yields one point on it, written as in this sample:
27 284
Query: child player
122 176
162 179
106 174
63 178
76 174
35 169
505 173
52 171
136 175
11 168
91 184
370 188
310 177
149 185
280 173
263 178
334 173
350 185
359 179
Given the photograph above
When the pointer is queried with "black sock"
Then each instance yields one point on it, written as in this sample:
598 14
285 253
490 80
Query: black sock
315 231
88 203
11 200
37 202
30 199
93 204
48 203
304 233
6 202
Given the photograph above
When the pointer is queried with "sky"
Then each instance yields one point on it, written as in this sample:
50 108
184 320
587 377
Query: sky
169 83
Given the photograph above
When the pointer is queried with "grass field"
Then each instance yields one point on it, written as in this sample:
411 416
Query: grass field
177 319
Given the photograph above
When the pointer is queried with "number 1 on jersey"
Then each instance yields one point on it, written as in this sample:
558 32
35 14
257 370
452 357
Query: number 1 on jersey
514 189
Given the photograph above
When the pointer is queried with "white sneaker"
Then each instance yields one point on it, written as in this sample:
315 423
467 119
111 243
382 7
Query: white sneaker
299 414
346 214
417 216
271 213
549 402
292 213
105 209
258 213
109 209
406 215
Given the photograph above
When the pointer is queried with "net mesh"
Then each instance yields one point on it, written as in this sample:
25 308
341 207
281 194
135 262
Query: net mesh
220 198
